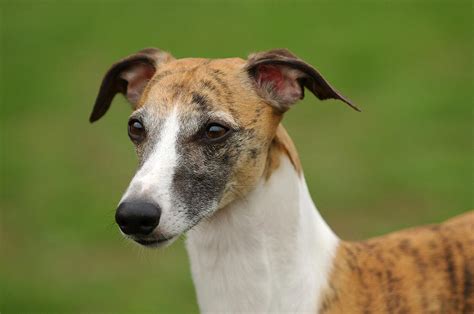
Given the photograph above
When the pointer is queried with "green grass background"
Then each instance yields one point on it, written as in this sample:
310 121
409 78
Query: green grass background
407 159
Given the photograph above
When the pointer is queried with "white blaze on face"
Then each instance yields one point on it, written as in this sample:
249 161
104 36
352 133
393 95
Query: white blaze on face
153 180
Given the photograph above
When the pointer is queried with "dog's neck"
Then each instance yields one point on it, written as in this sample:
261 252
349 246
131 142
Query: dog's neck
270 251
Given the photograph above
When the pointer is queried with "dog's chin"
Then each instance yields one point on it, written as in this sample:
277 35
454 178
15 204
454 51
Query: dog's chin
155 243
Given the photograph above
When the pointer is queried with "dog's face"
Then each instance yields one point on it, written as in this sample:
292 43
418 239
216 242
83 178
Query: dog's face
202 129
201 137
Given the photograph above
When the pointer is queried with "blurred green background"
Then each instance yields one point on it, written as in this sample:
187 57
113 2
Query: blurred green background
407 159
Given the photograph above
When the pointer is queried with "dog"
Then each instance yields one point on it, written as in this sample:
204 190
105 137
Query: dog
216 163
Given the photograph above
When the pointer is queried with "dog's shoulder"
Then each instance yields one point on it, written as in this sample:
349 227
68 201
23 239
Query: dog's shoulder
417 270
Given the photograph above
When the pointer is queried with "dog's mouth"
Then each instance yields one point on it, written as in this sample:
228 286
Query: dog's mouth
154 243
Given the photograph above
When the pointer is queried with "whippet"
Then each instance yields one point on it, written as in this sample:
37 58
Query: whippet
216 163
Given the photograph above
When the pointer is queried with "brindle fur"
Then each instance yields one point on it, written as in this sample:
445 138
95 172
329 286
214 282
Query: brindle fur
427 269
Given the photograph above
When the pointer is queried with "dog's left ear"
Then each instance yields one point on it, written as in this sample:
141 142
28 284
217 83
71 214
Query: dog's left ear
129 77
280 77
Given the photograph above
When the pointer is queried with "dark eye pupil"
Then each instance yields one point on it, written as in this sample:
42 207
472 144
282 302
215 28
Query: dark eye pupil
136 131
215 131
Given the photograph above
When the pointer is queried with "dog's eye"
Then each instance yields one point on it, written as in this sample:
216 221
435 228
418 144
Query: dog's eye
215 131
136 130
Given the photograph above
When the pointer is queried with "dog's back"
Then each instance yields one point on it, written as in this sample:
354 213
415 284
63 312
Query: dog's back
427 269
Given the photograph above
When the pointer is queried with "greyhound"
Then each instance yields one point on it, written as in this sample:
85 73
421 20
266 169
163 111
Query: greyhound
216 163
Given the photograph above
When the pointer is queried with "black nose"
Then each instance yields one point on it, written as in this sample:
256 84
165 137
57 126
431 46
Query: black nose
137 218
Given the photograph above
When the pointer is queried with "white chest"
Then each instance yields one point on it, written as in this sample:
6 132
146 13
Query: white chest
271 252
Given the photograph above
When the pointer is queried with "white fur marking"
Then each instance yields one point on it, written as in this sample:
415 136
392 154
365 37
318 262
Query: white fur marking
153 180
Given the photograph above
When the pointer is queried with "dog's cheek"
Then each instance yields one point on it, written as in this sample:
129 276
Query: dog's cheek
251 162
200 178
247 157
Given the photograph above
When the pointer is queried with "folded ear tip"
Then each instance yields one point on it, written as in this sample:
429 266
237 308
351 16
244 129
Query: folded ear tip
338 96
94 117
353 106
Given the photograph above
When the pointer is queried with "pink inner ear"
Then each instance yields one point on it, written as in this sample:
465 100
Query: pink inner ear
137 78
139 74
283 81
271 74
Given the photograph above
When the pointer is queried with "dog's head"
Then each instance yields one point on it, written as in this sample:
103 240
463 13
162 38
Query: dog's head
203 131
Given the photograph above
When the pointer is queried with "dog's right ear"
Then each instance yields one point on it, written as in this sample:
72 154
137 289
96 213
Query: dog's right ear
128 76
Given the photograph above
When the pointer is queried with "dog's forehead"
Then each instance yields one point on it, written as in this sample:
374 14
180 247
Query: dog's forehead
203 84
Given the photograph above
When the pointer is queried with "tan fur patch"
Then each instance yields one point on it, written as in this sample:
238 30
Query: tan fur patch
282 144
427 269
